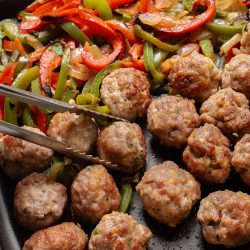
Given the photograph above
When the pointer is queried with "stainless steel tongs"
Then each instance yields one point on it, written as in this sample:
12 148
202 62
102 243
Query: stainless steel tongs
57 106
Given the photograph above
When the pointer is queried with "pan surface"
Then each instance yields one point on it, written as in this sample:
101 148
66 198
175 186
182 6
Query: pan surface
186 236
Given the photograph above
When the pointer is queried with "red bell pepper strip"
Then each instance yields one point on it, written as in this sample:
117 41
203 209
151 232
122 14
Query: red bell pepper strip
36 4
139 64
18 46
230 53
42 121
36 55
142 6
182 26
247 2
47 7
7 75
31 25
116 3
1 108
136 51
8 45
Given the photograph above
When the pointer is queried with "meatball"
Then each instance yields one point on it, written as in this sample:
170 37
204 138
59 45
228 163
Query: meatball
168 193
119 231
39 202
237 74
245 42
123 143
126 92
94 193
19 158
65 236
241 158
207 155
76 131
228 110
172 119
194 76
225 218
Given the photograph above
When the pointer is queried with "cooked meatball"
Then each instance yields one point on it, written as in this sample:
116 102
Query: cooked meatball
123 143
228 110
207 155
118 231
225 218
76 131
194 76
168 193
94 193
245 42
19 158
241 158
126 92
237 74
65 236
171 119
39 202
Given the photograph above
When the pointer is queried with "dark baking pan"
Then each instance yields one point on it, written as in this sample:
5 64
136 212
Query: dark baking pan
186 236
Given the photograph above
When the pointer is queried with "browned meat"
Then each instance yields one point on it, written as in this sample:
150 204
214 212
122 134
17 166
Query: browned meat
207 155
245 42
225 218
123 143
39 202
126 92
168 193
118 231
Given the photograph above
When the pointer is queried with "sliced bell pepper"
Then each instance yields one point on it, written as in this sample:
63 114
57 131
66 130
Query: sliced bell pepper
159 57
18 46
8 45
7 75
36 55
126 196
46 7
142 5
30 25
230 43
247 2
27 118
1 108
116 3
136 51
207 48
230 53
42 121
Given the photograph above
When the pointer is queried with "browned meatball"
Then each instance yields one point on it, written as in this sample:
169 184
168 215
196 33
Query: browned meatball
19 158
172 119
237 74
245 42
228 110
76 131
194 76
65 236
39 202
241 158
168 193
126 92
207 155
94 193
123 143
118 231
225 218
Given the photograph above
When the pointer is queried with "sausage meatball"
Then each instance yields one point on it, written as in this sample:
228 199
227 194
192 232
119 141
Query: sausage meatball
19 158
241 158
76 131
126 92
94 193
245 42
225 218
228 110
168 193
237 74
123 143
171 119
194 76
207 155
119 231
65 236
39 202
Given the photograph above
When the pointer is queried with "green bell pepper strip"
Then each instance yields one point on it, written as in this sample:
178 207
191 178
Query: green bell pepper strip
11 30
207 48
87 99
102 109
56 168
21 64
75 32
61 84
159 57
150 38
27 118
101 6
158 78
230 43
224 30
188 4
69 94
126 196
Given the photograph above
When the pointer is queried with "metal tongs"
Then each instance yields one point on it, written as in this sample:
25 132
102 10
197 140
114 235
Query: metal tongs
56 106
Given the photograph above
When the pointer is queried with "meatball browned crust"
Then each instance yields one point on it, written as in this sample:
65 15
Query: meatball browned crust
207 155
168 193
245 42
228 110
65 236
225 218
94 193
76 131
171 119
19 158
118 231
39 202
126 92
194 76
237 74
241 158
123 143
